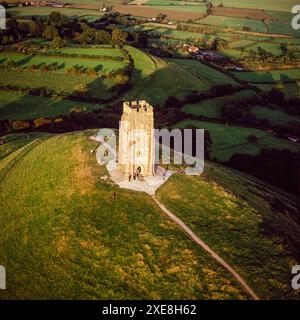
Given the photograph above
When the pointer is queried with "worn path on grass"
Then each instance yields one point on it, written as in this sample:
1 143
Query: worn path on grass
204 246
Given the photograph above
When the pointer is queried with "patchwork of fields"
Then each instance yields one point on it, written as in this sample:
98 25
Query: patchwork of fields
78 235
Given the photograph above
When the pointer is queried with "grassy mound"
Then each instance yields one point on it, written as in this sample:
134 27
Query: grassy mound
251 235
64 236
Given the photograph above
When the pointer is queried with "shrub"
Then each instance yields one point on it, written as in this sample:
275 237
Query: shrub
19 125
252 138
41 122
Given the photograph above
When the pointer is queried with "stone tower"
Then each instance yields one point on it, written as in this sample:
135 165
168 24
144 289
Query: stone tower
136 140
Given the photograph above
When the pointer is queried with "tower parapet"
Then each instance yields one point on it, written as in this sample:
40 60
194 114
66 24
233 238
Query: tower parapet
137 106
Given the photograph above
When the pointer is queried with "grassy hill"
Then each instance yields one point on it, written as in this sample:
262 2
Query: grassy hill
64 236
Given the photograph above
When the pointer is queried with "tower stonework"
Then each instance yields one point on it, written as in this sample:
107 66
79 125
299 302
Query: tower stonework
136 140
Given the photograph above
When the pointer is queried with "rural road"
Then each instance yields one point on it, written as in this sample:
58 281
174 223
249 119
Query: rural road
204 246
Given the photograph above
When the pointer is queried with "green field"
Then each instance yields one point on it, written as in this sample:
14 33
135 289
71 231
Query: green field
228 140
284 75
234 23
184 8
28 12
283 28
175 34
58 82
90 51
62 63
268 46
210 75
212 108
65 238
271 5
282 16
156 79
21 106
291 90
275 116
242 43
175 3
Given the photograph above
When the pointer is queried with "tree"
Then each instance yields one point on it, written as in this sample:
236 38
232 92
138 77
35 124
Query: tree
284 49
252 138
24 27
35 29
141 38
102 36
57 42
118 37
57 19
209 7
10 63
50 33
80 88
173 102
87 36
19 125
121 79
4 4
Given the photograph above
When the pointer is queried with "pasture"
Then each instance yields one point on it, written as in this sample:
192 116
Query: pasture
28 12
90 51
234 23
291 89
271 5
61 83
284 75
228 140
274 115
212 108
156 79
284 28
61 63
200 70
22 106
240 13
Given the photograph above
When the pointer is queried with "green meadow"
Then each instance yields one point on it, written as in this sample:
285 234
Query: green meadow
212 108
272 5
234 23
62 63
284 75
22 106
228 140
58 82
